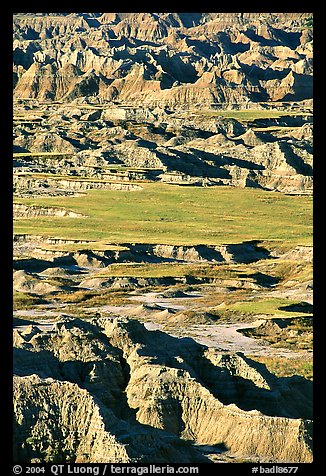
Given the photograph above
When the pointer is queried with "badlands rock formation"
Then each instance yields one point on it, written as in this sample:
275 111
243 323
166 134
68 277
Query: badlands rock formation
125 97
109 101
163 59
110 390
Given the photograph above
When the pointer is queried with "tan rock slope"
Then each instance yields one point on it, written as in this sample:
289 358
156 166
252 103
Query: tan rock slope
108 101
143 92
166 59
110 390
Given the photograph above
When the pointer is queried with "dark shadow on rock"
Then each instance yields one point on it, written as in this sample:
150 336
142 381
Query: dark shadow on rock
266 136
37 265
290 38
32 264
253 36
17 149
295 160
222 159
280 400
18 321
239 47
111 393
208 253
176 68
299 307
110 399
204 48
263 136
289 397
146 144
218 448
248 251
283 121
192 165
285 397
265 280
171 412
190 19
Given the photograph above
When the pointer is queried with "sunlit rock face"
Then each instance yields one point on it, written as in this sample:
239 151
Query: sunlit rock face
109 389
166 59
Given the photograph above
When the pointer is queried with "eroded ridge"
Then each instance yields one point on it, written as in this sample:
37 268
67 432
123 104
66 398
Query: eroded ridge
143 394
163 293
214 99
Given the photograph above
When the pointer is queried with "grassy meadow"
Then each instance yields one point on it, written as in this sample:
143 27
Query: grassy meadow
170 214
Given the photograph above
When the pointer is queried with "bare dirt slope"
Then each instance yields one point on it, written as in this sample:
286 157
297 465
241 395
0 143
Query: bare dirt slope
115 375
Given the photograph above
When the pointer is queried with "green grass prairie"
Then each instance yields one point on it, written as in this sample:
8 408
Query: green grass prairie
273 307
170 214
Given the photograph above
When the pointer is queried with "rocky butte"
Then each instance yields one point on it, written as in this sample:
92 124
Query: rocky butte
163 173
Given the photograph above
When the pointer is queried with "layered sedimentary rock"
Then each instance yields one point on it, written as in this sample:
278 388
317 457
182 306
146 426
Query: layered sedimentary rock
163 58
142 92
109 389
185 150
107 101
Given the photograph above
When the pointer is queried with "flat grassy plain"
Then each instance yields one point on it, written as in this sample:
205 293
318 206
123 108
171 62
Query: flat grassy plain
273 307
173 270
170 214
